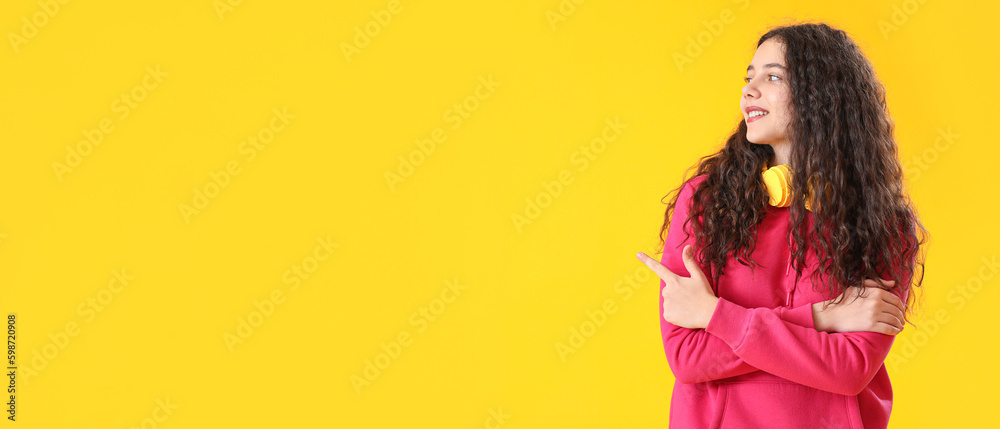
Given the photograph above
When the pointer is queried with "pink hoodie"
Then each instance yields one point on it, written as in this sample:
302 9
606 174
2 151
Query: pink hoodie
760 362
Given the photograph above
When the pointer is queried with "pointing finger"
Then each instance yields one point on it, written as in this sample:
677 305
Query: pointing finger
656 266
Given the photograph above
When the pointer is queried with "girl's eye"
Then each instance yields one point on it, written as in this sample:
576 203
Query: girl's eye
747 80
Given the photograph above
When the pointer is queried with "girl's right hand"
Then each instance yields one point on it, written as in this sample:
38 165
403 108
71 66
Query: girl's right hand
878 311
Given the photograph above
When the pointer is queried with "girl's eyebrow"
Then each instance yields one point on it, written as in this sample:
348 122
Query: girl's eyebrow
768 65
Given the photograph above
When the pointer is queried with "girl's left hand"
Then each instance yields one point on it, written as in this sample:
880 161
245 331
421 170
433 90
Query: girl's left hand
688 302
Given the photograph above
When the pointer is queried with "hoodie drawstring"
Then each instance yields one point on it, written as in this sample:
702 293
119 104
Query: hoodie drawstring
791 291
787 267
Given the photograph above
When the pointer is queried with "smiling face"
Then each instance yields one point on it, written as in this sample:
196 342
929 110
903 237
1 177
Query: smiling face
767 89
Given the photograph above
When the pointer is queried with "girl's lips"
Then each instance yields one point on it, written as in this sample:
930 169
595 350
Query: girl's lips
752 119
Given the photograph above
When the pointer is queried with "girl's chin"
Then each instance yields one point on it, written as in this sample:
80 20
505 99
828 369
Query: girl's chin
757 138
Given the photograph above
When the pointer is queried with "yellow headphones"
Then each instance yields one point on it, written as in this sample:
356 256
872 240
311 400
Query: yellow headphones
778 180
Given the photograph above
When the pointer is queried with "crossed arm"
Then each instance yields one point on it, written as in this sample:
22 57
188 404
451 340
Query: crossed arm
781 341
696 355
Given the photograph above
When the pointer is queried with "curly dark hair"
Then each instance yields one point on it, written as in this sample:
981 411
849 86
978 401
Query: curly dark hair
841 136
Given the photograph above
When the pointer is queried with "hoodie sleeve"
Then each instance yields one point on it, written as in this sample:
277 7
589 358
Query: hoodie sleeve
695 355
842 363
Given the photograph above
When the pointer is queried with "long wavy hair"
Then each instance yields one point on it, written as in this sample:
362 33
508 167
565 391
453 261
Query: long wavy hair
842 144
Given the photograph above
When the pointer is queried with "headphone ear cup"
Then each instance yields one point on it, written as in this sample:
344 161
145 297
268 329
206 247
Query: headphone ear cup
778 180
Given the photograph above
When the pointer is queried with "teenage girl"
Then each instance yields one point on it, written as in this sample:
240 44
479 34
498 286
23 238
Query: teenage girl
789 256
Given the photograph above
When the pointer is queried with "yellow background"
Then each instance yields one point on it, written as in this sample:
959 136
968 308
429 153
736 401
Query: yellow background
492 349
